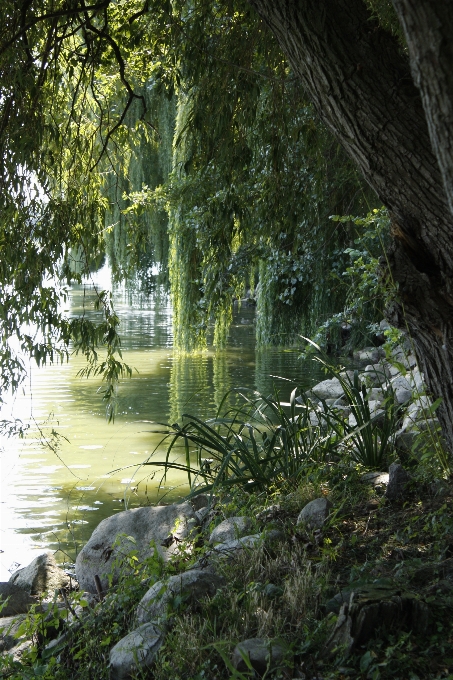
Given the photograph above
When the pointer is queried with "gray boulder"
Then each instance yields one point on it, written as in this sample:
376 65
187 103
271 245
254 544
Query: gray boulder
328 389
192 585
375 478
230 547
398 479
402 389
369 355
43 575
315 513
19 600
161 528
135 652
262 654
229 529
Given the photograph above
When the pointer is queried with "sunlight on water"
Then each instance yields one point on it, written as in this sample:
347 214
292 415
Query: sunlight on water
53 499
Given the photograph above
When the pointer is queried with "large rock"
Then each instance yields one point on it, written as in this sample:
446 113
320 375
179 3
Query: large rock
19 600
160 528
262 654
229 529
43 575
315 513
191 586
135 652
328 389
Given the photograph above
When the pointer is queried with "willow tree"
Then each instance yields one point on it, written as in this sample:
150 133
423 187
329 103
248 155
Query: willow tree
388 101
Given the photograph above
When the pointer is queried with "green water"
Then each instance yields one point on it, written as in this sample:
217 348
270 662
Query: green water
54 499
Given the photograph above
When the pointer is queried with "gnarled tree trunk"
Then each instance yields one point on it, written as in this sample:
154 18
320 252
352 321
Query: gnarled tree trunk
360 82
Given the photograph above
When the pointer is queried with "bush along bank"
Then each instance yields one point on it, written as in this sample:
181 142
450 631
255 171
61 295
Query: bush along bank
336 567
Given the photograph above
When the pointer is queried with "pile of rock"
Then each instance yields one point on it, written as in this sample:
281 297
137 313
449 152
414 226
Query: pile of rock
400 376
25 588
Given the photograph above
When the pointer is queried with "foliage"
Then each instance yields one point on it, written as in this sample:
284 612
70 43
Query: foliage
161 135
253 446
366 291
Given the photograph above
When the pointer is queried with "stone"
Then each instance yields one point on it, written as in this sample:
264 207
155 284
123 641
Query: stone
398 479
9 625
203 500
135 652
372 607
161 527
376 394
229 547
375 478
402 389
201 514
229 529
269 513
192 586
43 575
315 513
369 355
375 374
328 389
19 600
263 655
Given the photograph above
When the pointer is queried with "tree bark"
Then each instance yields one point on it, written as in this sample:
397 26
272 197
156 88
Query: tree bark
360 82
428 27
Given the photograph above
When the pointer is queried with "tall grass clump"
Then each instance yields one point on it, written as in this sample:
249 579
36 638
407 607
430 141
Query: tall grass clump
256 445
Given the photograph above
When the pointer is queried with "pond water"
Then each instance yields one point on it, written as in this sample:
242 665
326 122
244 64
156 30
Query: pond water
52 499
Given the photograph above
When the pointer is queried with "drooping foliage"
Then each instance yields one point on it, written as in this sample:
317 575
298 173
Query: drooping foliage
175 138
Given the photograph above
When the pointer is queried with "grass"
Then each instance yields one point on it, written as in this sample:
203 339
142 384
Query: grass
280 591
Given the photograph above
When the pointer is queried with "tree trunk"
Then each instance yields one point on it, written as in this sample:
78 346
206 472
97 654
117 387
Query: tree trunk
360 82
428 27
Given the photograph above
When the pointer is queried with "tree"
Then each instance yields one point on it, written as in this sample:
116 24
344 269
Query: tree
398 130
70 56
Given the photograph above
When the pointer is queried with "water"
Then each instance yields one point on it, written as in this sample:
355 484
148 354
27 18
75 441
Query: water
53 499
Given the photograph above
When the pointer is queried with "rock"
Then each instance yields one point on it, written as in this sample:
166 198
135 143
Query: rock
375 374
376 394
315 513
162 526
384 325
369 355
402 389
375 478
202 514
372 607
233 546
191 586
19 600
135 652
9 626
416 379
269 513
328 389
398 479
203 500
43 575
263 655
229 529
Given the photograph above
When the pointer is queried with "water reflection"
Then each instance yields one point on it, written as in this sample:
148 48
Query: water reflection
53 499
